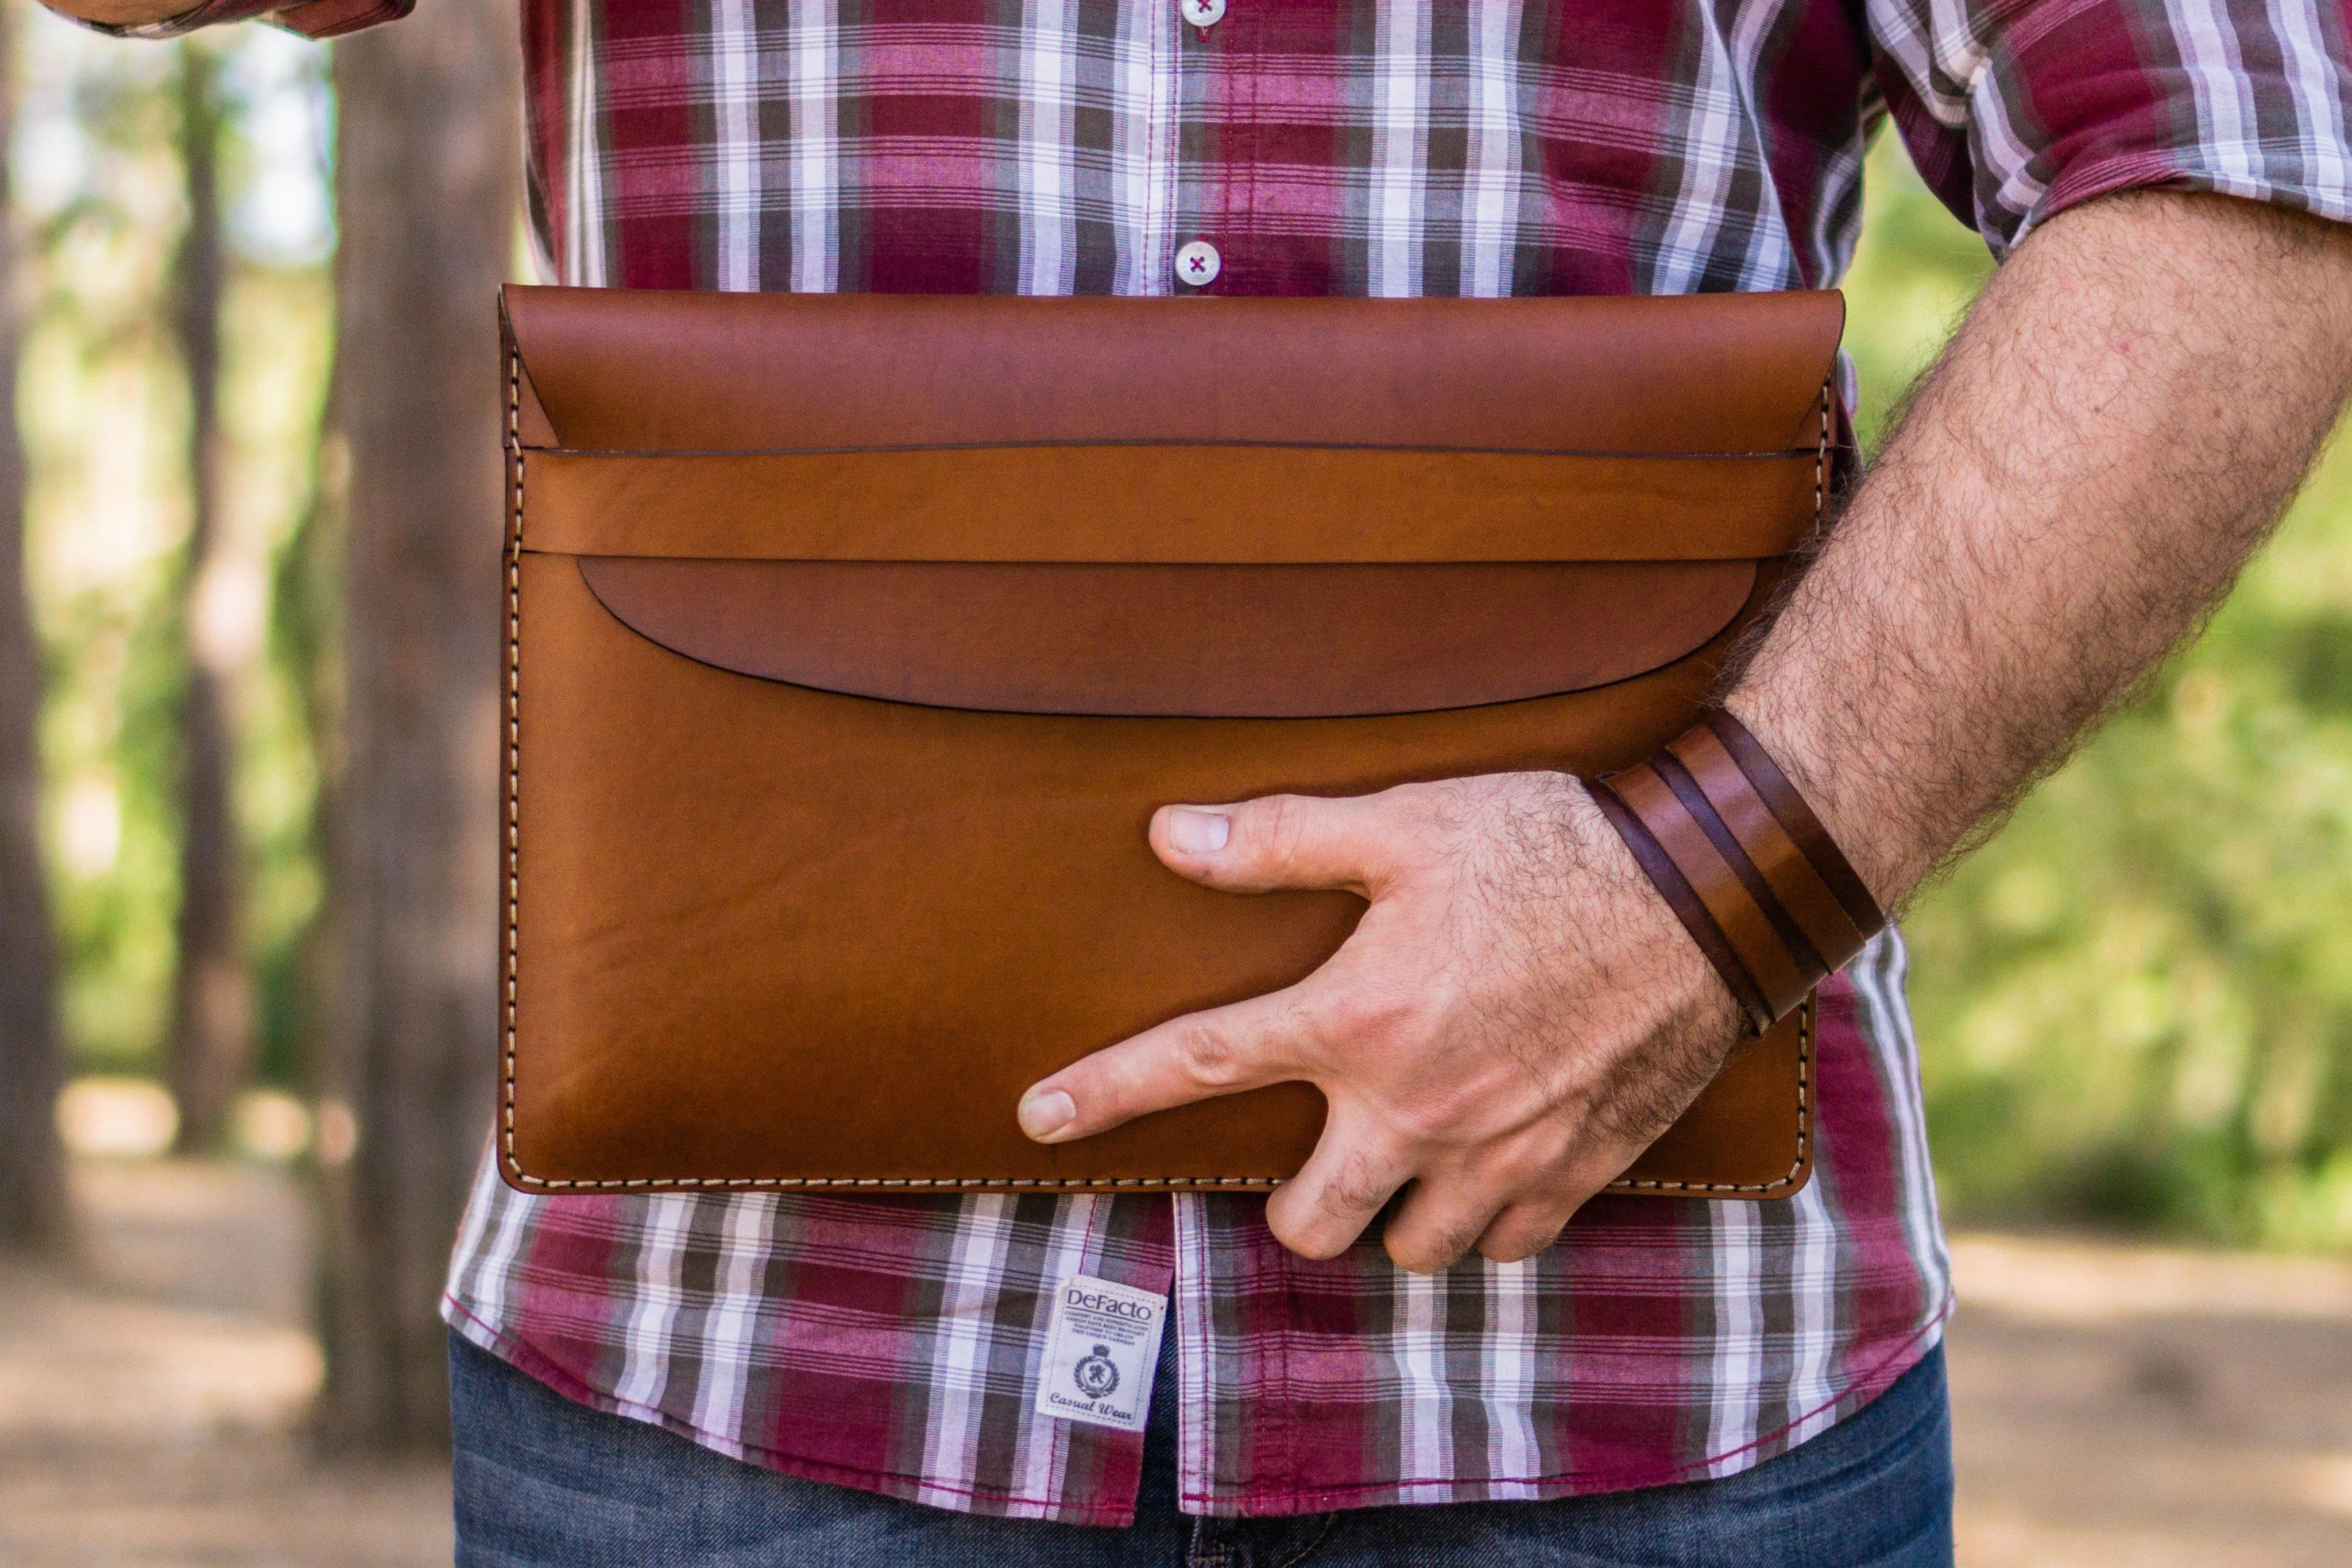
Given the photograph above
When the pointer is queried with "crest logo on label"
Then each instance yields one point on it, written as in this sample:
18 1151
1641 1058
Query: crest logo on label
1095 1376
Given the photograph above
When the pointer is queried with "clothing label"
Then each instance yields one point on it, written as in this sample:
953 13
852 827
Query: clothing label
1101 1349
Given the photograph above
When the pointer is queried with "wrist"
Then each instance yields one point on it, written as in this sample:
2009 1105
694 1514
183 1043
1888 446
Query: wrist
1642 932
1850 792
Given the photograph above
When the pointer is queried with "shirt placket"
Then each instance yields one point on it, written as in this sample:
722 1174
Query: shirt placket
1210 254
1209 251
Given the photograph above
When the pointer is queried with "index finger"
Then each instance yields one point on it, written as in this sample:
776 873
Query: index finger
1221 1050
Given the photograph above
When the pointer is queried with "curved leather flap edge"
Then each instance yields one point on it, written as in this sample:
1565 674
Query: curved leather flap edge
1283 642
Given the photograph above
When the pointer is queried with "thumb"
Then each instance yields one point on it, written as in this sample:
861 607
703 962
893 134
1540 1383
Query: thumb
1278 840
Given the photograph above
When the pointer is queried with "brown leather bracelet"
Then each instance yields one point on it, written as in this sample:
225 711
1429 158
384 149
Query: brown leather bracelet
1743 863
1676 892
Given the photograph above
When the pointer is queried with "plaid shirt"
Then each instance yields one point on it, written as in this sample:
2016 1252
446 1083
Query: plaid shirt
1487 147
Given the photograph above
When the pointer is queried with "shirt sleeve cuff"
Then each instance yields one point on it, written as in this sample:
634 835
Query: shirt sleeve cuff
2180 170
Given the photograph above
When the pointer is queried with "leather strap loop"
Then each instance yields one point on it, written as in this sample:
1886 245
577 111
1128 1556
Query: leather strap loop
1744 923
1789 807
1800 889
1743 863
1659 869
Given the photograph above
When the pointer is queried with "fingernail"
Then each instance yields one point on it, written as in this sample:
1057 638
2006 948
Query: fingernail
1198 832
1043 1115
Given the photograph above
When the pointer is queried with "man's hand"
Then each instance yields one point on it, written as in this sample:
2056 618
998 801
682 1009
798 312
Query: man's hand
1516 1017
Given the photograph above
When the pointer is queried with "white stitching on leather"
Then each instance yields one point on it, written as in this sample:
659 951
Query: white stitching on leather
1623 1184
1804 1129
513 824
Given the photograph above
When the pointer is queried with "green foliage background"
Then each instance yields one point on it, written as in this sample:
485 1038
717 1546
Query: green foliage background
2135 1002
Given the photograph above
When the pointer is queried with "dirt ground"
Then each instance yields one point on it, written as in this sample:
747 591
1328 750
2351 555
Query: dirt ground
151 1397
2116 1407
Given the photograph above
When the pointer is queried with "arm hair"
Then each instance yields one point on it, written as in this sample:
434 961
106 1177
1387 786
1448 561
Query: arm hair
2121 419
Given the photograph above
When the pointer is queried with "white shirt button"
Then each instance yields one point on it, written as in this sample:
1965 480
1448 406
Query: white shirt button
1201 13
1198 263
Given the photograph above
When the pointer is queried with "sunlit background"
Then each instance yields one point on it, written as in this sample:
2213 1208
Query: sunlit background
2135 1002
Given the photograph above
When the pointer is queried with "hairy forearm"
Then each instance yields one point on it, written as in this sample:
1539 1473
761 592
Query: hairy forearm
2120 421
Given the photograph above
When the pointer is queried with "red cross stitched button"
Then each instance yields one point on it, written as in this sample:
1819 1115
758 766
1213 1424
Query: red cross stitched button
1198 263
1201 13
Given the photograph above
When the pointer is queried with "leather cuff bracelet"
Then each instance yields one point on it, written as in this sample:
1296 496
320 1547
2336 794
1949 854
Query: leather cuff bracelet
1743 863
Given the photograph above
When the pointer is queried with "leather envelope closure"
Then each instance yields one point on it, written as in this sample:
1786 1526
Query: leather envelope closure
853 641
1201 641
1155 503
703 371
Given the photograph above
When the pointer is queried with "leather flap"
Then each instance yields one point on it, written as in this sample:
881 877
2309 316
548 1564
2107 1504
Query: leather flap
647 370
1198 642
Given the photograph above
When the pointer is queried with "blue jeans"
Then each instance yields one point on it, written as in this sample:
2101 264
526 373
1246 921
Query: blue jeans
543 1481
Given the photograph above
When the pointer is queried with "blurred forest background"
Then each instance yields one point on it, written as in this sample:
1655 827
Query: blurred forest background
134 608
261 526
2135 1004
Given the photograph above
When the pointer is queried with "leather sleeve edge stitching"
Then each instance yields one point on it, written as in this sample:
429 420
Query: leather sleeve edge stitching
512 956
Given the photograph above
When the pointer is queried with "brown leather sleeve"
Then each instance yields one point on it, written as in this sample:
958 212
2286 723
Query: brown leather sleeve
853 642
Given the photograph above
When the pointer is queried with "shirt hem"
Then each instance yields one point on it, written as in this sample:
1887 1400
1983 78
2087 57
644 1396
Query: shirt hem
1876 1380
536 1364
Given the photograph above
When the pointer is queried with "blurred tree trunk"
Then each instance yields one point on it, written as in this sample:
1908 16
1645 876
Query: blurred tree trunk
211 1012
32 1186
428 147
